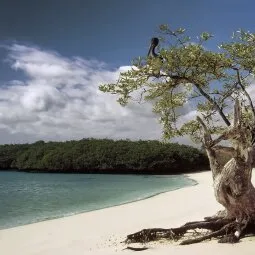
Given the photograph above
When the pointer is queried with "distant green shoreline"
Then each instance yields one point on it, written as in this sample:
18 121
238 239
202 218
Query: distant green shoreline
103 156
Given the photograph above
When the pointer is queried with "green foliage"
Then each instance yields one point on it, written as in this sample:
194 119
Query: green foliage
9 153
103 156
191 73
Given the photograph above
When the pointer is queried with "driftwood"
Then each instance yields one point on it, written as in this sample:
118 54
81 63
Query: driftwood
232 187
136 248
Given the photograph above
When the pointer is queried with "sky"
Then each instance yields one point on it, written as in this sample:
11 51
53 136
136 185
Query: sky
55 53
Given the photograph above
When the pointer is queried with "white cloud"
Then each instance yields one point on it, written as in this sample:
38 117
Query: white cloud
60 100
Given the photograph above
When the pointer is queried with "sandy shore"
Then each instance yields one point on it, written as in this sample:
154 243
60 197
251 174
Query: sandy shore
101 232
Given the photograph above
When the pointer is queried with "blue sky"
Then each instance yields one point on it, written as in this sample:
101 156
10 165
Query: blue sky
36 35
114 31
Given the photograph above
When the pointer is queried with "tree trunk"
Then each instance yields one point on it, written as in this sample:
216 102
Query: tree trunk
232 187
232 181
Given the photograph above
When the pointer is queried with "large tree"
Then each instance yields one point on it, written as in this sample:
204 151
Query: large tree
215 85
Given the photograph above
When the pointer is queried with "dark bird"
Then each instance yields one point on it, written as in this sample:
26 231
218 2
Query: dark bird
154 44
153 54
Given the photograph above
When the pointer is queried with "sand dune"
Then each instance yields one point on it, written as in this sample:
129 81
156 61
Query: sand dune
101 232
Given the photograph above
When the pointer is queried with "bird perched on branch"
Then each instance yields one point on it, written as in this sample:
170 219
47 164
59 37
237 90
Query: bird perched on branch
154 44
152 54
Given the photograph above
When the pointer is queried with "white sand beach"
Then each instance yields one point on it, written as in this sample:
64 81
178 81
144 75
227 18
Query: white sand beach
101 231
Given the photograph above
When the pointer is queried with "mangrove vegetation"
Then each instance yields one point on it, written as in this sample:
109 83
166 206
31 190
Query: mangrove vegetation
103 156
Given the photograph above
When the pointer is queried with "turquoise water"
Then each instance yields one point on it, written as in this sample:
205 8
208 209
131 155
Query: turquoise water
31 197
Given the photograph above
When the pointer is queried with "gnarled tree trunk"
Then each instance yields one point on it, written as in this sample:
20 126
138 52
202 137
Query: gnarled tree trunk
232 187
232 181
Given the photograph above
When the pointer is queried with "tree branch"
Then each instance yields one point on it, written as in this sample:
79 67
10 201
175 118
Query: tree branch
217 107
203 93
245 92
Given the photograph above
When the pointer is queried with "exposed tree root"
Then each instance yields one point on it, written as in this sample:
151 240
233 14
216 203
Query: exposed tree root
226 230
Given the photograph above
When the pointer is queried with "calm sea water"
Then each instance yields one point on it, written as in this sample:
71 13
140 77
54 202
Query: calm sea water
30 197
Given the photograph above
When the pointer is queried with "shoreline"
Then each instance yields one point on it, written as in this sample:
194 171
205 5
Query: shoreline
178 171
102 231
110 206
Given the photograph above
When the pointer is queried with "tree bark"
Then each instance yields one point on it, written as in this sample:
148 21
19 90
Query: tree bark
232 188
232 181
